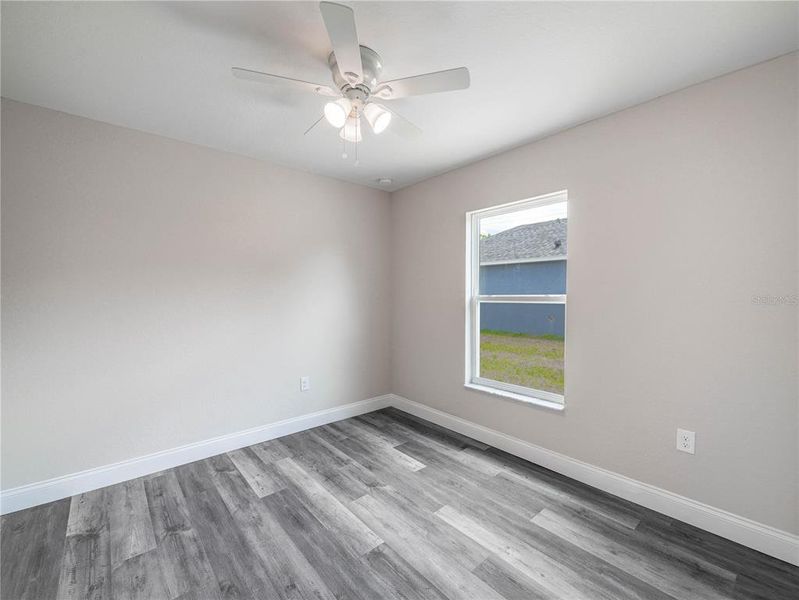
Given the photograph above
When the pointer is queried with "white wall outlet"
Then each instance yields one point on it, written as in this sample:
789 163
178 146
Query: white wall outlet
305 383
686 441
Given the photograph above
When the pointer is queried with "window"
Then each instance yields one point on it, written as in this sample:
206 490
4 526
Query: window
516 292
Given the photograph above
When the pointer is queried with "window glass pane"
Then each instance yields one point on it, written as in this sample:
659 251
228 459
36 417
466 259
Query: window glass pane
524 252
523 344
524 278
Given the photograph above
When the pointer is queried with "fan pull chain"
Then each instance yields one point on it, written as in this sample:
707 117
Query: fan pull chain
357 137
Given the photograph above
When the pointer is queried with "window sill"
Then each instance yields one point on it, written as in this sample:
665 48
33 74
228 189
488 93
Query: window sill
558 406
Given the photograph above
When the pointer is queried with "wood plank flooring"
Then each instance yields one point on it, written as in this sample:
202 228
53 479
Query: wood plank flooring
381 506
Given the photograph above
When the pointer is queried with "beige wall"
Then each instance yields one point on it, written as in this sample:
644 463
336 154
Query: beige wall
681 210
157 293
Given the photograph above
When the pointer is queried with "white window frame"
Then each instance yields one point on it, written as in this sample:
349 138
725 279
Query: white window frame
474 299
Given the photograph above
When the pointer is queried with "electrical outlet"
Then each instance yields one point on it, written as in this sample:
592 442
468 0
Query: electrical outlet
305 383
686 441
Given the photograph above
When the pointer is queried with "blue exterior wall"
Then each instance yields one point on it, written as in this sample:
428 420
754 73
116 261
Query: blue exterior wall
547 277
524 278
533 319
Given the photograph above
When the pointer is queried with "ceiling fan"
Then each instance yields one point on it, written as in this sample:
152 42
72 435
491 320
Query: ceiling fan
356 74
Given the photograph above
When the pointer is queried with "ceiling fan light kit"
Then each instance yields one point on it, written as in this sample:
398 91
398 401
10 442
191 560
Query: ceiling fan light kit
379 118
351 132
356 72
338 111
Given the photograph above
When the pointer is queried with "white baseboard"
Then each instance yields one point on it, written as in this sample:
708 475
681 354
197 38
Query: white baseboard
25 496
768 540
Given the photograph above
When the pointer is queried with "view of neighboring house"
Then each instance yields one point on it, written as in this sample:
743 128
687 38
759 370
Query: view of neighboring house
527 259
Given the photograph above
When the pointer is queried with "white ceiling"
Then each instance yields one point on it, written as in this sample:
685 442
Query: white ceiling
536 68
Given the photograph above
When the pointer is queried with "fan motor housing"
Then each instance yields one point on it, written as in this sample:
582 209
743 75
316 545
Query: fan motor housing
372 66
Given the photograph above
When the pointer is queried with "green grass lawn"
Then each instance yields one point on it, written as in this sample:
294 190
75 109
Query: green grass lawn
528 360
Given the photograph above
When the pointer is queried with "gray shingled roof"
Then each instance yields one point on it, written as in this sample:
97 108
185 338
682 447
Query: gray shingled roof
525 242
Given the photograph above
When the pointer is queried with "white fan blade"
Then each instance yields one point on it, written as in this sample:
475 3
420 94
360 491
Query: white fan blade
286 81
315 123
429 83
402 126
340 24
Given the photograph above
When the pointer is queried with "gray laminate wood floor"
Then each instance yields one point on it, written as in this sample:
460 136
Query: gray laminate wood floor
379 506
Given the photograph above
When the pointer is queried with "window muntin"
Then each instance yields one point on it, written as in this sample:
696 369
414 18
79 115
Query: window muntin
517 298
